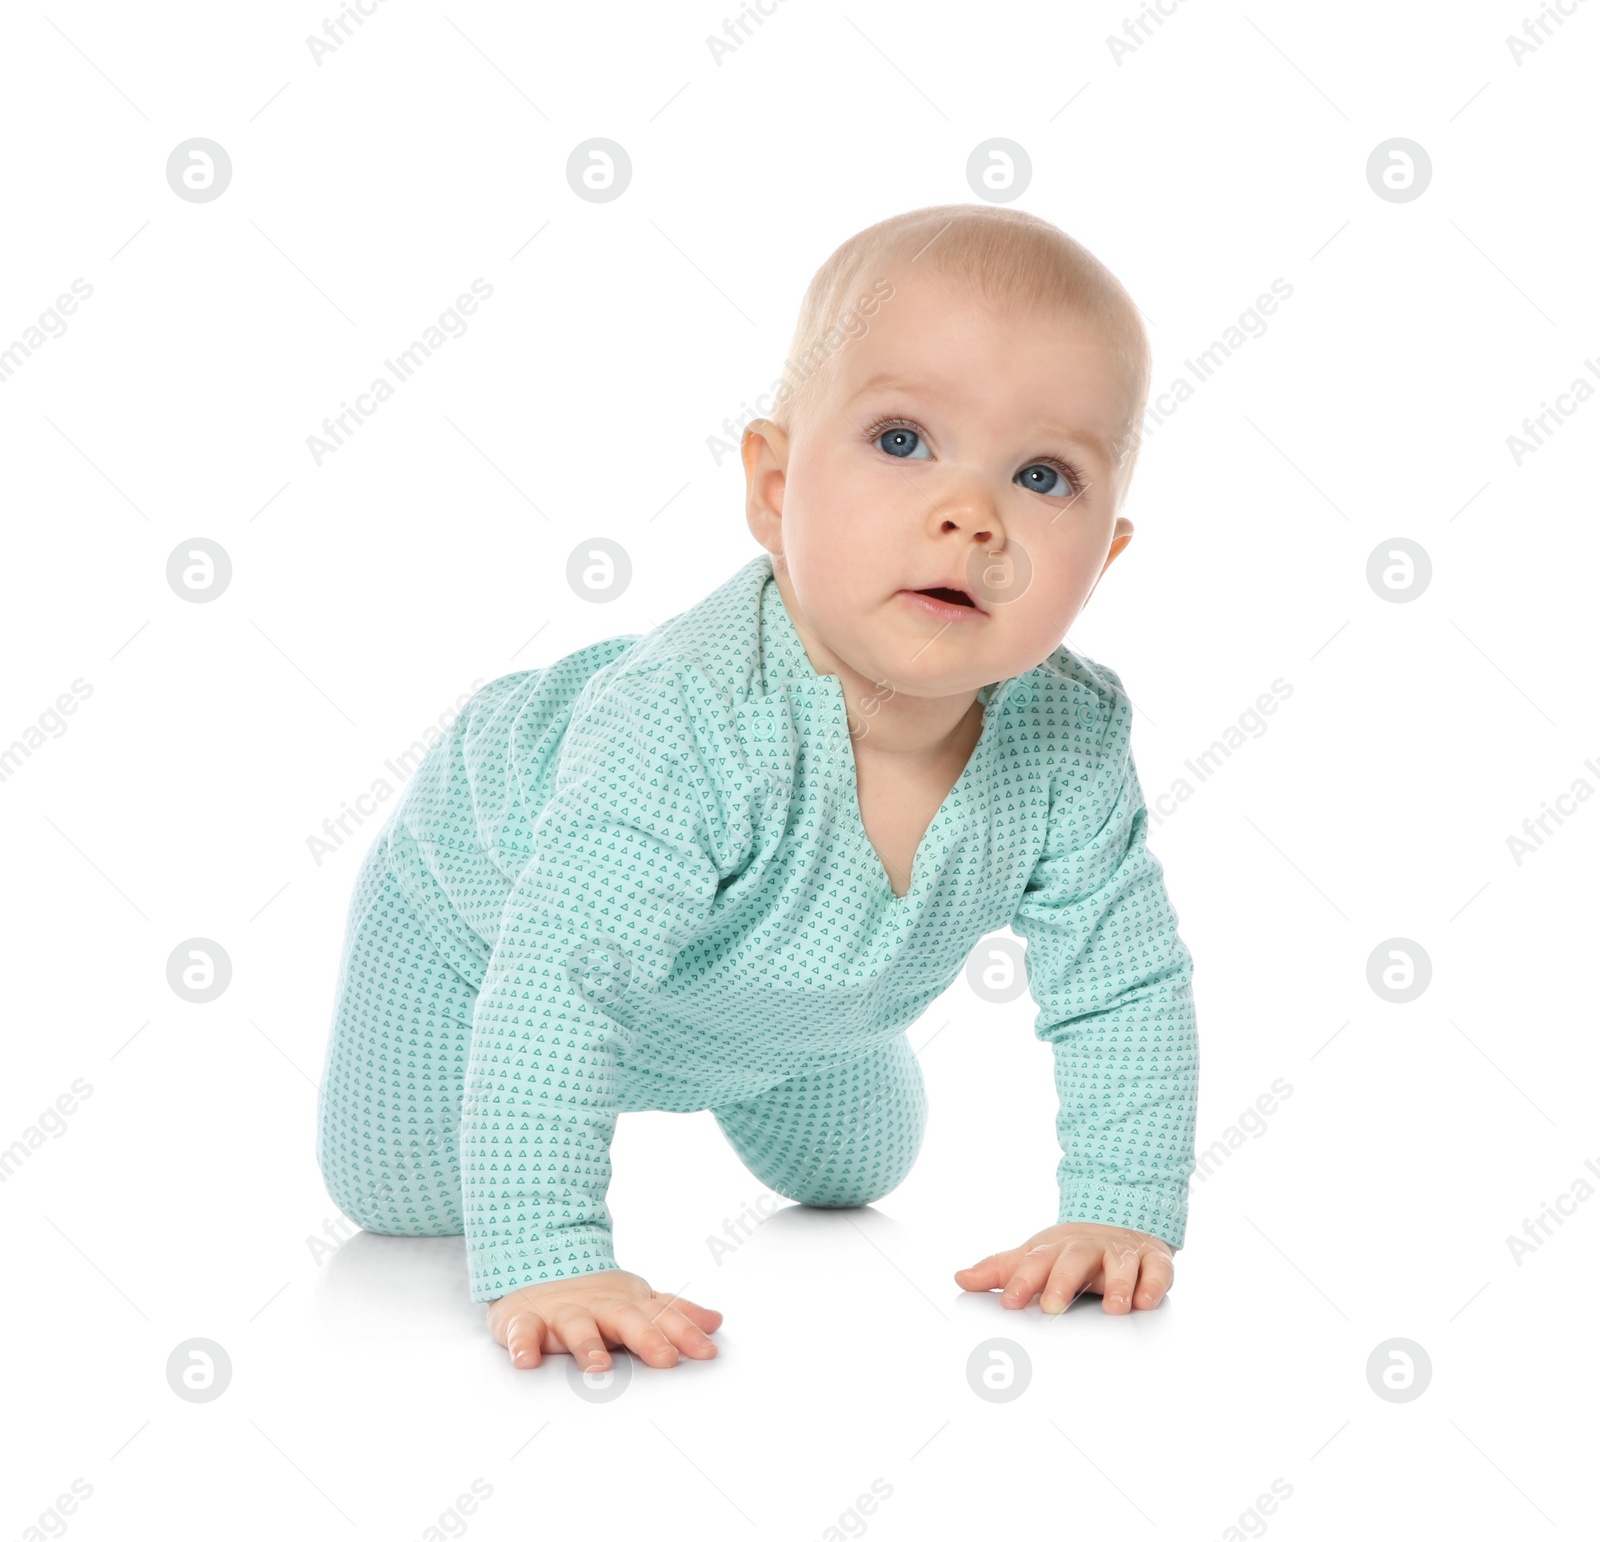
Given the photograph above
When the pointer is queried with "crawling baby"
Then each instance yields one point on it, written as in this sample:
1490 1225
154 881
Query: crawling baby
725 864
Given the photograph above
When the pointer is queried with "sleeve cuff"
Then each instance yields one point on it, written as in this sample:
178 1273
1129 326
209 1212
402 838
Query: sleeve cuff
493 1272
1146 1207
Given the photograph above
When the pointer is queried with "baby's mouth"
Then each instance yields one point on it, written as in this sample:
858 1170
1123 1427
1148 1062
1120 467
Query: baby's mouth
947 604
949 596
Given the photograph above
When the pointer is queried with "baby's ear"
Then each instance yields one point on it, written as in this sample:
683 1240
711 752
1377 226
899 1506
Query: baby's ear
765 452
776 440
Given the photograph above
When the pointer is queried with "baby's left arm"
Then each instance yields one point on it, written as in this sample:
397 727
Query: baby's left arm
1112 981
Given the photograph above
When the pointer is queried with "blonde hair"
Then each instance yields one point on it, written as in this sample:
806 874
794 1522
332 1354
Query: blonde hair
1009 255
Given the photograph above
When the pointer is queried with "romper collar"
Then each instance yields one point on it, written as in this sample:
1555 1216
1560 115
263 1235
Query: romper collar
783 655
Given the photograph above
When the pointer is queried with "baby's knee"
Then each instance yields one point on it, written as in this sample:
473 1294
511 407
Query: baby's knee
837 1196
398 1198
842 1175
834 1193
387 1211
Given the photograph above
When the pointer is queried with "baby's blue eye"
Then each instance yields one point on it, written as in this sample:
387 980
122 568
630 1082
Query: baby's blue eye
902 442
1043 478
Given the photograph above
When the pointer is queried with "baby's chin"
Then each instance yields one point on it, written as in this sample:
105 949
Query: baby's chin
918 650
913 662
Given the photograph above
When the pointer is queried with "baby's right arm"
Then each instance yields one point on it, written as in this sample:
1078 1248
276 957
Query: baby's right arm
622 876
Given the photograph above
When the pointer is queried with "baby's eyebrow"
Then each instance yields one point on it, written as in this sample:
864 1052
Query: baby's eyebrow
887 381
1078 438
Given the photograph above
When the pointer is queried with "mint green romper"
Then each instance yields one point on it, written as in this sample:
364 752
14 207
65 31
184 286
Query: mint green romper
637 878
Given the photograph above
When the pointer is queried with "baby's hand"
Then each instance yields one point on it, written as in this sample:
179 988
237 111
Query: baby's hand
572 1314
1120 1264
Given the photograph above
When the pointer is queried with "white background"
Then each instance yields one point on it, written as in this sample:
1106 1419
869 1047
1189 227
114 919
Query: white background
1227 150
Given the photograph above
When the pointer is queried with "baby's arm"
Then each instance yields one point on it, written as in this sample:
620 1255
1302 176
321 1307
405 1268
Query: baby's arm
622 875
1112 981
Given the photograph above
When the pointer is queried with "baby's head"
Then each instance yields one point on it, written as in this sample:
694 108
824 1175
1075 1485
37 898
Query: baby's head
967 388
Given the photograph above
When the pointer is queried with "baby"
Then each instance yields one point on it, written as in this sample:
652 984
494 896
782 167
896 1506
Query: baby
724 865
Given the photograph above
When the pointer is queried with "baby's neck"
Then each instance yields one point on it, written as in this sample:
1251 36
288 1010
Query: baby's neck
911 730
914 730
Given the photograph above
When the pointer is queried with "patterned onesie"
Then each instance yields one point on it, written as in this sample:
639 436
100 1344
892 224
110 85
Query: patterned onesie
638 878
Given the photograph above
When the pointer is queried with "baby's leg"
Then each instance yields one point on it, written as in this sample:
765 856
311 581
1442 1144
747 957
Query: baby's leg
842 1136
389 1107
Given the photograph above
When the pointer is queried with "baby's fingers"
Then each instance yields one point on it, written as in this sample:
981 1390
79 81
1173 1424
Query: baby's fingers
632 1324
1155 1278
988 1272
581 1334
685 1333
1074 1269
1121 1275
706 1318
525 1339
1031 1272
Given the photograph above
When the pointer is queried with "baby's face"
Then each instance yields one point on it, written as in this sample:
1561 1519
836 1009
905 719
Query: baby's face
958 447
